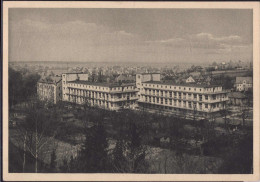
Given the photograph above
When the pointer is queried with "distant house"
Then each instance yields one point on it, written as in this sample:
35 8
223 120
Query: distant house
237 98
244 83
190 79
125 78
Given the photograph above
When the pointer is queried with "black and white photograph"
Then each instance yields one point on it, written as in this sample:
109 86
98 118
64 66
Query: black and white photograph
131 89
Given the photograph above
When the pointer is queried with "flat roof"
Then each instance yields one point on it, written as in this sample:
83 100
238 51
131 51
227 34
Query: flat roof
182 84
103 84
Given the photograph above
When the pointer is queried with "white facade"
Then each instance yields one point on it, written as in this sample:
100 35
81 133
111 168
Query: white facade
188 97
140 78
67 77
104 95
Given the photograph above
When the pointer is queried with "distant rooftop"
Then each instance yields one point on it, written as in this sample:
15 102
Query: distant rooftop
50 80
148 73
104 84
172 83
75 73
248 80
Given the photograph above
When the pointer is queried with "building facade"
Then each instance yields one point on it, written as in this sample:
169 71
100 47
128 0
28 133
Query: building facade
244 83
183 98
105 95
49 89
145 77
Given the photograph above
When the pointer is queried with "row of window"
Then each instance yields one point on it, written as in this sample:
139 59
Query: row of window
179 94
176 103
99 87
100 95
98 102
181 88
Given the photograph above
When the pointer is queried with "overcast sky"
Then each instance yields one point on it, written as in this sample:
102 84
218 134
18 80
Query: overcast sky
130 35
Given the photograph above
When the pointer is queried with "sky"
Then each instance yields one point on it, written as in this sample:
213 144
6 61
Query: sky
130 35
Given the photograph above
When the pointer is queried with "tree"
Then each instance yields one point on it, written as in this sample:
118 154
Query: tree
65 166
224 112
119 159
129 154
14 85
53 161
240 158
93 155
37 131
244 110
21 87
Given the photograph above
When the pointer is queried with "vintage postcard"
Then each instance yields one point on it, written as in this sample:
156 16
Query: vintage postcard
130 91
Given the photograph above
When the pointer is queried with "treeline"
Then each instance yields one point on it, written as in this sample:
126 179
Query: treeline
96 155
21 86
39 132
132 133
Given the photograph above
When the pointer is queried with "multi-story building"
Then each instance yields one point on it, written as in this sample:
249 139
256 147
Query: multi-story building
144 77
179 98
244 83
49 89
111 96
68 77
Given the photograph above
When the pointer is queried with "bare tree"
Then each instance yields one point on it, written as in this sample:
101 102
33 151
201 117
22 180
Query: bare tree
37 131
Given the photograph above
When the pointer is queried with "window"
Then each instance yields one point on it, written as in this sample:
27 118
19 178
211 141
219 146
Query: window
184 95
166 101
200 106
206 97
206 106
214 97
189 104
200 97
157 100
170 101
161 100
170 94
